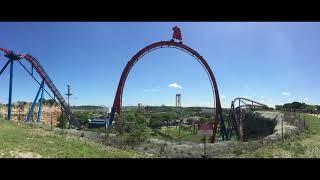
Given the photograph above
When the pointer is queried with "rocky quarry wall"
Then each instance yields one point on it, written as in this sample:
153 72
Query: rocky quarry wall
291 124
20 112
257 125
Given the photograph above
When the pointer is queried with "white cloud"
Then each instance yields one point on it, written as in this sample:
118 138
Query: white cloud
306 99
223 96
175 86
261 97
286 93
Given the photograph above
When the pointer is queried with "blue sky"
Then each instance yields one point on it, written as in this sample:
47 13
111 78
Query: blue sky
270 62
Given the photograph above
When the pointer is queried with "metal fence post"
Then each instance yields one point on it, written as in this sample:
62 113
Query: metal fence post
205 155
204 145
282 130
105 130
51 121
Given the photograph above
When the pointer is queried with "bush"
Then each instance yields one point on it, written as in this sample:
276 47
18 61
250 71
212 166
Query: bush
155 123
132 128
82 117
62 121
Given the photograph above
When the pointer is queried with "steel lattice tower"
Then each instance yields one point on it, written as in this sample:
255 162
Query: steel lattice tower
68 94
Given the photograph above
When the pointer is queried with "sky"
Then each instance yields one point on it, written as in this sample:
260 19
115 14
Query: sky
269 62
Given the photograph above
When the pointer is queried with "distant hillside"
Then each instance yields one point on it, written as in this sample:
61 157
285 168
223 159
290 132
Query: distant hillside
89 108
170 109
129 108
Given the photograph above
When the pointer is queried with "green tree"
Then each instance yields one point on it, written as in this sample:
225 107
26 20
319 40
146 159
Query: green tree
155 121
318 108
129 116
83 117
132 127
137 131
51 102
279 107
62 121
118 124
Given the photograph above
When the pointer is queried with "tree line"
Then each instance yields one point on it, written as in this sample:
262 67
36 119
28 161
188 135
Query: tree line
298 107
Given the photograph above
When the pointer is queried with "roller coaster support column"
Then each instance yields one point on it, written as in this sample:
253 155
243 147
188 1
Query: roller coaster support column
34 102
40 106
4 67
224 133
10 89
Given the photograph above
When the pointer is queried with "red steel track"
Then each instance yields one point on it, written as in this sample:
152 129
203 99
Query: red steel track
117 104
237 113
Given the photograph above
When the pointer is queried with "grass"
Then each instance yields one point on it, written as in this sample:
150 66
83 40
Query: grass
22 140
304 145
99 130
172 133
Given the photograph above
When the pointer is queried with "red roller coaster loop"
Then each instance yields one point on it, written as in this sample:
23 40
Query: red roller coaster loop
117 104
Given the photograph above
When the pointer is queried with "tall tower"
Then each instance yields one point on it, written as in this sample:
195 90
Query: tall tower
68 94
178 100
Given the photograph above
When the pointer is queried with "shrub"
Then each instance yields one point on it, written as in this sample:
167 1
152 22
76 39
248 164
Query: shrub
62 121
155 123
82 117
133 129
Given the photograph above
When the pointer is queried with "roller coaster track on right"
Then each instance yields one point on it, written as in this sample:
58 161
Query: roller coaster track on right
238 109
